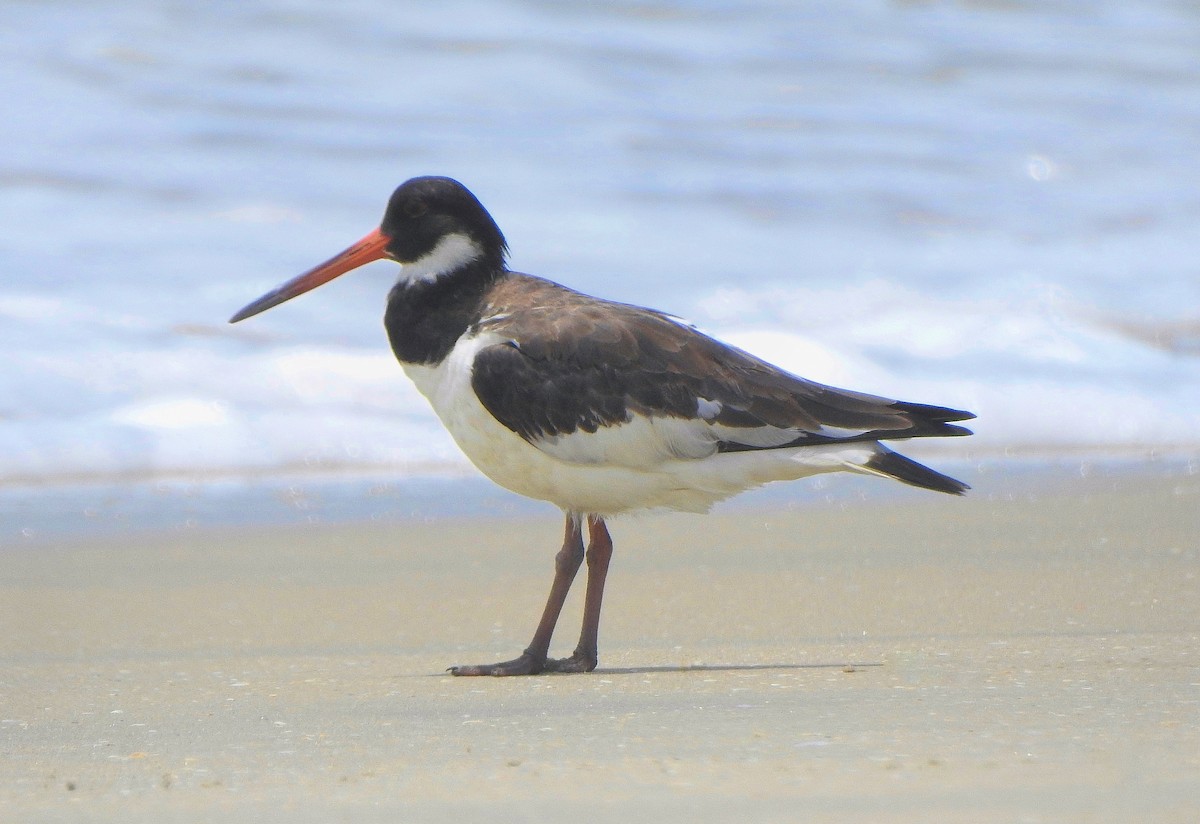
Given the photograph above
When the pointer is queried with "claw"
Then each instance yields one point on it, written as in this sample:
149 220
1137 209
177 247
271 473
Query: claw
525 664
578 662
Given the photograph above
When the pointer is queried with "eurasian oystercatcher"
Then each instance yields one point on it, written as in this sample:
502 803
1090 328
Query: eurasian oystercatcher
599 407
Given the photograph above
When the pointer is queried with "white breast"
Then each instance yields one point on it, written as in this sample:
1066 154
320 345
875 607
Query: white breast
496 450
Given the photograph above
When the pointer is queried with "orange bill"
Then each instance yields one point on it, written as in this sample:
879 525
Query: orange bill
372 247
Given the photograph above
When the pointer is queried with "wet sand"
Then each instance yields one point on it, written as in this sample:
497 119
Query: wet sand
1004 657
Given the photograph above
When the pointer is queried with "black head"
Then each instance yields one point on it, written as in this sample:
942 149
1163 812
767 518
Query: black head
432 225
424 211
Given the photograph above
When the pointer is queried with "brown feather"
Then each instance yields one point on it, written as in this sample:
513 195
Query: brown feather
578 362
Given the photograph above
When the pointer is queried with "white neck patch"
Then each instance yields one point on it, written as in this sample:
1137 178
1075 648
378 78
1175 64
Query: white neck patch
451 252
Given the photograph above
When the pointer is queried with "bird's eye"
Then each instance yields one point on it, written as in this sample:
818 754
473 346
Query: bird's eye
415 208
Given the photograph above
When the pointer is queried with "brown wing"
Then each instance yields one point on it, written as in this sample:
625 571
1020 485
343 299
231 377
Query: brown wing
571 363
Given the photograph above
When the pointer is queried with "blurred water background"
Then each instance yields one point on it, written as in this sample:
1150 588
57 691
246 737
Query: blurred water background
993 205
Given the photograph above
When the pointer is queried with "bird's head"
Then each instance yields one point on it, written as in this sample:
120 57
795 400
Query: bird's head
433 226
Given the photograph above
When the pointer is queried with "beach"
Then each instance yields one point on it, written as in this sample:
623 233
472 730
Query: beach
1026 653
237 560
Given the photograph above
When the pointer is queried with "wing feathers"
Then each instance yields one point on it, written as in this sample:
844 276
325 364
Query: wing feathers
578 364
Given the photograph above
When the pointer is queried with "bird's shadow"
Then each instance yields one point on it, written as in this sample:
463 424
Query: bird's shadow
844 665
650 670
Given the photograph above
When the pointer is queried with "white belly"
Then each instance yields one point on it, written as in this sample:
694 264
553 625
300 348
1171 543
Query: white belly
600 488
506 457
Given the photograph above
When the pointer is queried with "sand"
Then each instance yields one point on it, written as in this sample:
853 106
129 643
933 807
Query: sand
1006 657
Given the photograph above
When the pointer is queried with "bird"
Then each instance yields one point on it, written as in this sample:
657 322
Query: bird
601 408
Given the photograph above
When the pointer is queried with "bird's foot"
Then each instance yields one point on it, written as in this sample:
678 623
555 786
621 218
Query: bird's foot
578 662
526 663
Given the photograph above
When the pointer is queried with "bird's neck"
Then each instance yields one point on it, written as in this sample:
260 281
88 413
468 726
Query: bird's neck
425 318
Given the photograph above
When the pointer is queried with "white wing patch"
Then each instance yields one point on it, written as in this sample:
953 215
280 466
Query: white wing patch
708 409
758 436
840 432
641 443
645 442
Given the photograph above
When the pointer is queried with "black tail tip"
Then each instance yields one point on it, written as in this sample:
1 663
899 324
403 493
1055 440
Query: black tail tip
934 421
908 471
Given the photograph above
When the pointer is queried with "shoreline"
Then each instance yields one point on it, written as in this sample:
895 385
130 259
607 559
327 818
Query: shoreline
351 471
32 515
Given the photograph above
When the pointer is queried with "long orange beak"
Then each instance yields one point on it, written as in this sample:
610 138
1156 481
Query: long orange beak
372 247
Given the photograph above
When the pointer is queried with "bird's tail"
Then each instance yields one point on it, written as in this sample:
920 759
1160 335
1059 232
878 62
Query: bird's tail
891 464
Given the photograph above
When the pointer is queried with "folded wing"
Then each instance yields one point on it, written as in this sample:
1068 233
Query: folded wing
614 383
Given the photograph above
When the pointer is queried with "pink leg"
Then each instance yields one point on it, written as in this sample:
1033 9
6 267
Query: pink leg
599 553
566 563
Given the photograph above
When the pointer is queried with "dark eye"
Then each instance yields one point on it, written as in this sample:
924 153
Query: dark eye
415 208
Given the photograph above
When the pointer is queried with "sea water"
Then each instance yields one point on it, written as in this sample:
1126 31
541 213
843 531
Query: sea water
991 206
